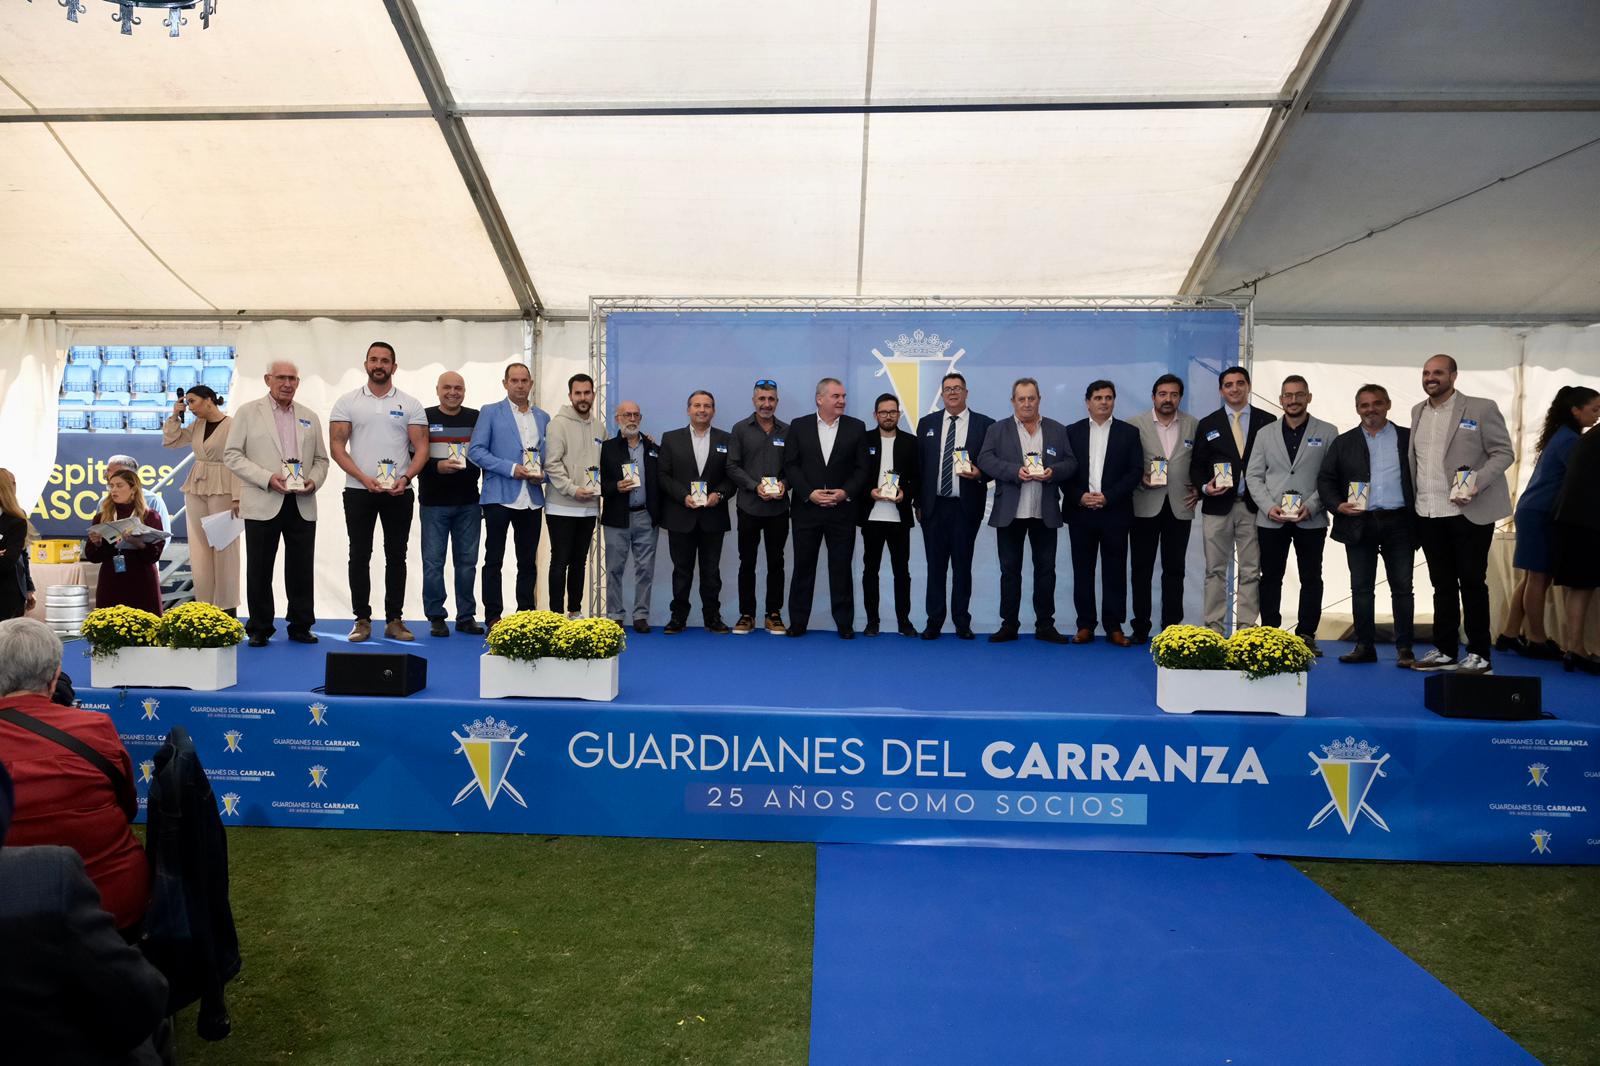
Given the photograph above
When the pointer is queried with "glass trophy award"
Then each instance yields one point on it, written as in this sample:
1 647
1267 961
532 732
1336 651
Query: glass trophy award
294 476
1222 475
889 485
591 479
1462 484
455 457
530 460
1359 493
630 476
1032 464
386 476
1158 472
961 462
769 488
1292 504
698 493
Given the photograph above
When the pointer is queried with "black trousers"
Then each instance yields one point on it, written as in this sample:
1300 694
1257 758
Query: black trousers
524 523
569 553
1041 541
1457 550
1391 535
874 537
362 511
261 548
1308 545
701 547
948 537
1109 545
1167 535
754 531
840 535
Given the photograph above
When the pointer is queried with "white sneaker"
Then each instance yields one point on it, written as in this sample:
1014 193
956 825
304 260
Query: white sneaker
1433 661
1474 664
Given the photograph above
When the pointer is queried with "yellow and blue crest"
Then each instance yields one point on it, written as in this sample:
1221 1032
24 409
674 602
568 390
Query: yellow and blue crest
1348 769
319 713
319 777
1538 775
489 747
230 804
150 706
1541 841
916 366
234 739
147 771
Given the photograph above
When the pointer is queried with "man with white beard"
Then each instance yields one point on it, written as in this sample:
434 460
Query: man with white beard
629 514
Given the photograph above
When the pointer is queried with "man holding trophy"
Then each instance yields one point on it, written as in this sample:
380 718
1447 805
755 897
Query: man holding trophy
756 450
695 487
1228 513
448 489
1282 475
1163 505
630 510
507 445
276 449
950 502
885 514
379 437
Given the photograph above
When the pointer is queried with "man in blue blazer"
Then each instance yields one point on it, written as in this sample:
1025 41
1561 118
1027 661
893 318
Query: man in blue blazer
1099 503
1029 458
508 446
950 504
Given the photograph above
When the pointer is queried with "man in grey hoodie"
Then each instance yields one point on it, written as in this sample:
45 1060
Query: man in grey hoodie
571 492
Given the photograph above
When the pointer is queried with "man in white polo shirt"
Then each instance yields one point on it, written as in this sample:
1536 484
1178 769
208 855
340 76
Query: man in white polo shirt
379 436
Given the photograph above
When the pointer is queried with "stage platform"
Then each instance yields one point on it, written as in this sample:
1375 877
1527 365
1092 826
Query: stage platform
891 740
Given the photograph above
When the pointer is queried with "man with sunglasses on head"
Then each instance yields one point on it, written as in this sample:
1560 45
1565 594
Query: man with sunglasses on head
950 503
755 458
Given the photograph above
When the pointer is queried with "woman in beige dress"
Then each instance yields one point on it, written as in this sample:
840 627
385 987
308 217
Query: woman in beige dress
210 489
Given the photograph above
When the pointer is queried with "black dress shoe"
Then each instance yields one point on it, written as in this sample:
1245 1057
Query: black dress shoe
437 628
1139 638
641 626
796 631
966 634
717 625
1361 653
1571 661
930 634
1003 635
303 638
673 626
1547 651
258 641
871 630
907 630
1052 636
467 625
1404 657
847 634
1509 643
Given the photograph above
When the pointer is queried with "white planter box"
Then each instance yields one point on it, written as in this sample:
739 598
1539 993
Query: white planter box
1187 691
554 679
201 669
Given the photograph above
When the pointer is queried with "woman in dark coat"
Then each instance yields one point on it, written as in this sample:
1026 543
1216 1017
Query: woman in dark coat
1577 564
133 582
15 533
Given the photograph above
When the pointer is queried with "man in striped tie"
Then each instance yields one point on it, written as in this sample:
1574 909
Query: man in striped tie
950 503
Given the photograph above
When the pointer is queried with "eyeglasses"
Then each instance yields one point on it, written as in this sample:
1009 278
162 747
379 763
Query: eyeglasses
1292 396
766 383
955 388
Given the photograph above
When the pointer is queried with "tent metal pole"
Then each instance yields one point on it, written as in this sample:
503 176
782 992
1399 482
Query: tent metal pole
430 76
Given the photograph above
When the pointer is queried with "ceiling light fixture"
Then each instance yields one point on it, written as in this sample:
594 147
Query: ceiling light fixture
127 12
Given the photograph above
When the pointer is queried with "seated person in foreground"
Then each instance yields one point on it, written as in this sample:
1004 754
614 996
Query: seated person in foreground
61 796
71 989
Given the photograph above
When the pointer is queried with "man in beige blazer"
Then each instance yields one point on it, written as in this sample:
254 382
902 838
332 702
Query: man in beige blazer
267 434
1456 437
1163 515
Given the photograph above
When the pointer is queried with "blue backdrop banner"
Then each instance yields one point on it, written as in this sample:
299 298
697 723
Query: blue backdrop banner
657 357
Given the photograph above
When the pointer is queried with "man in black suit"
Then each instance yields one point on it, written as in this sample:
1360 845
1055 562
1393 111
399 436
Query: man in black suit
695 486
886 513
825 469
1029 458
950 503
1099 501
630 511
71 988
1228 514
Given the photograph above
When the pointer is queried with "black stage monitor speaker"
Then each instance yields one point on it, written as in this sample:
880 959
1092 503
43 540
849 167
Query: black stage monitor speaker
375 674
1503 698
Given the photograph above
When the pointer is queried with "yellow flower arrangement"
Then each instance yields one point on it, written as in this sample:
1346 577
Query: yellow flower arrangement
198 625
1262 651
1189 648
530 635
110 629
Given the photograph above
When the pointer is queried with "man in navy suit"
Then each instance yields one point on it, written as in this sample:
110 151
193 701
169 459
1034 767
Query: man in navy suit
1099 502
696 522
1227 513
630 511
886 514
826 471
507 445
950 504
1029 457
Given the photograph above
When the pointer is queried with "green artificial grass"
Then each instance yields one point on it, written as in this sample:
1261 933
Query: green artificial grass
366 947
1521 944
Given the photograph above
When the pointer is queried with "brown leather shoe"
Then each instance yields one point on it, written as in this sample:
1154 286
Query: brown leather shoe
1120 639
1083 636
396 630
362 630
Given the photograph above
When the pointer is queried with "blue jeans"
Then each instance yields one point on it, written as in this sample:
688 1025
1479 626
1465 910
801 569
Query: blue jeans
460 526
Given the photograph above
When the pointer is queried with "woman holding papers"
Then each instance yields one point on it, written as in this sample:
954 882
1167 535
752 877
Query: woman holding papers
211 490
128 569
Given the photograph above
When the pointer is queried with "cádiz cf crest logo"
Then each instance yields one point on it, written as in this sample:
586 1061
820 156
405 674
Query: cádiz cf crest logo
234 739
1349 769
319 777
1538 775
489 746
230 804
319 713
916 368
1541 841
150 707
147 770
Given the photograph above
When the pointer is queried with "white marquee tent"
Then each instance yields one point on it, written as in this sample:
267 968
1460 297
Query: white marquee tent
1387 180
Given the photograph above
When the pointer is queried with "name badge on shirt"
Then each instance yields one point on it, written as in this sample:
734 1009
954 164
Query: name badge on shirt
1469 423
652 454
928 434
722 449
1214 434
397 413
873 450
435 429
305 423
1188 442
1313 442
1049 451
119 563
777 442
